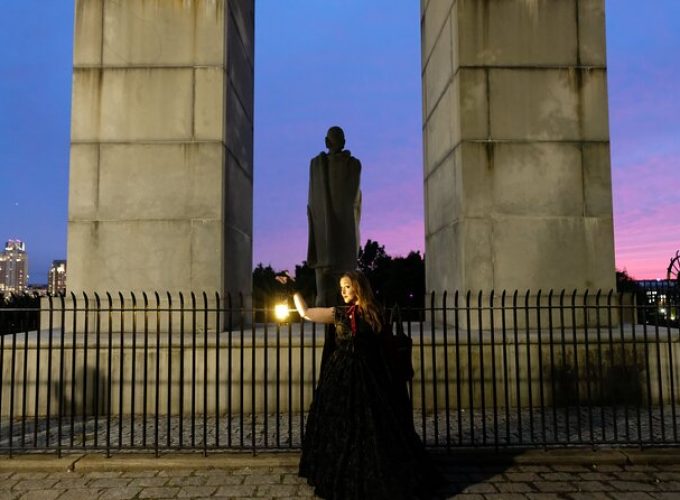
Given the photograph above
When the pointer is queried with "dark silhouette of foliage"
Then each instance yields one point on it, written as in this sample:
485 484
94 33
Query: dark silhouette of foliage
305 282
395 280
267 291
625 282
399 280
25 320
372 258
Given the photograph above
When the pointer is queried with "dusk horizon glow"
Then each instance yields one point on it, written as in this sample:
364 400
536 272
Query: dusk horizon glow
354 64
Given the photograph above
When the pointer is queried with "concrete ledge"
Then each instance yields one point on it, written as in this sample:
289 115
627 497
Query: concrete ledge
566 456
653 456
42 463
146 461
195 460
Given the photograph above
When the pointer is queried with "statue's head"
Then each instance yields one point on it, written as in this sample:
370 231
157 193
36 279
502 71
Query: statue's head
335 139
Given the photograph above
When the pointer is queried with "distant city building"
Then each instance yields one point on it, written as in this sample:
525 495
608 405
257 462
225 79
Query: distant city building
662 298
56 278
14 267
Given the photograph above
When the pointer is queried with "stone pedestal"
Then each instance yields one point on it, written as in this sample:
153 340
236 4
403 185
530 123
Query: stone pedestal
277 371
161 169
516 135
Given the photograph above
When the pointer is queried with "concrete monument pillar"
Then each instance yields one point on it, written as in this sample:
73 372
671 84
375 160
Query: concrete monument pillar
516 138
161 169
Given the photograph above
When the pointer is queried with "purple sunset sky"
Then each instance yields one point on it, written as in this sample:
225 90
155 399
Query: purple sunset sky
357 64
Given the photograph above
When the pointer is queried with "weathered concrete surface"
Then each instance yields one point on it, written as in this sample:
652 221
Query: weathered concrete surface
256 371
516 137
517 176
161 146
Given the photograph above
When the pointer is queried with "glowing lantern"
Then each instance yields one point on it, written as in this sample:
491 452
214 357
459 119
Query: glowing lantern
281 312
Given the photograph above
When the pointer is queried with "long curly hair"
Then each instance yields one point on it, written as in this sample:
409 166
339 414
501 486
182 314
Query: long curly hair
365 298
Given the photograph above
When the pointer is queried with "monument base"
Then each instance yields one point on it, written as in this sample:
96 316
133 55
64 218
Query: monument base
274 369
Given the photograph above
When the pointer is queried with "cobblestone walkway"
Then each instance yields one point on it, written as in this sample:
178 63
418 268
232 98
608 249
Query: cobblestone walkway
542 482
212 483
535 482
596 425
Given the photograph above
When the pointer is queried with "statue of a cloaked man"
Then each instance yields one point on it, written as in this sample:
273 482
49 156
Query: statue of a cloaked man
334 212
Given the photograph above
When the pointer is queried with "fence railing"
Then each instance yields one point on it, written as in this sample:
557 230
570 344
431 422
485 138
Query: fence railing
198 372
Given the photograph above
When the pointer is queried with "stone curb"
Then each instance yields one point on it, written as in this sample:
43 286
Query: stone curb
176 461
568 456
41 463
145 461
130 462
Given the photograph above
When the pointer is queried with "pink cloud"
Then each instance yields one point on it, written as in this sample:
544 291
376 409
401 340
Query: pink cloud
646 204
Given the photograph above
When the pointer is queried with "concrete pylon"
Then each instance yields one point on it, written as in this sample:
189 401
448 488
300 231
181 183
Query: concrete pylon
161 168
516 135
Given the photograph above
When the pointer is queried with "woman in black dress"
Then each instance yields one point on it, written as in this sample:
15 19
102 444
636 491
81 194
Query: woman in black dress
359 442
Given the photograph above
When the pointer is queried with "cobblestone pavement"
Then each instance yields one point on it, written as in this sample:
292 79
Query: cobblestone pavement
524 427
471 482
548 482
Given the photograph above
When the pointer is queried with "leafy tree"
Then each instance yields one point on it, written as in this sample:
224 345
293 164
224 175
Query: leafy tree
266 290
395 280
18 320
625 282
374 262
372 257
305 281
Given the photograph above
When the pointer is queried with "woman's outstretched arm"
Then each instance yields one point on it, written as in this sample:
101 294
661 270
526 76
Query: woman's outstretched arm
316 314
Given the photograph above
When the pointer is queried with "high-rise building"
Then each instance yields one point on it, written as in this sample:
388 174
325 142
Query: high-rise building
14 267
56 277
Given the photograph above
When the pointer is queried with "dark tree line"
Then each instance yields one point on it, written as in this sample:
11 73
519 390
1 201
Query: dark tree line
395 280
626 283
14 321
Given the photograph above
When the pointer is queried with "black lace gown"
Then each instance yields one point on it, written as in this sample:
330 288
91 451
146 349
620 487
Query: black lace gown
359 443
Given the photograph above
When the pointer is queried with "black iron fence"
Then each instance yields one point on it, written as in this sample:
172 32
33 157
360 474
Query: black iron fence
202 372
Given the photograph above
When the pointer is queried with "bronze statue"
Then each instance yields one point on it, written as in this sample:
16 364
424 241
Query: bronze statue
333 210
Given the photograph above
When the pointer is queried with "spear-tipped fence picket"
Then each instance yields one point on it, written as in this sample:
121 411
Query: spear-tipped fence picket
203 372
